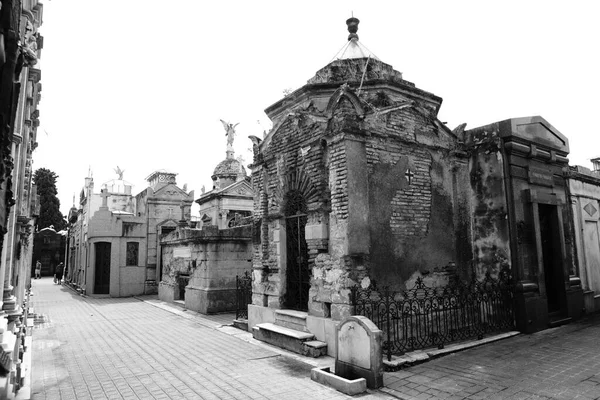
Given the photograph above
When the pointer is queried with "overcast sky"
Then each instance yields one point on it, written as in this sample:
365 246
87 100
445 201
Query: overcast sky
142 84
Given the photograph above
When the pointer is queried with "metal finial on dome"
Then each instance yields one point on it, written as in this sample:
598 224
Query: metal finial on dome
352 28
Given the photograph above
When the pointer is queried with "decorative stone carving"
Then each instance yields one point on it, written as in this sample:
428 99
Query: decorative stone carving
590 209
30 46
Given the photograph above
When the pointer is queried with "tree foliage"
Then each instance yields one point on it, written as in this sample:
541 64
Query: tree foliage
45 181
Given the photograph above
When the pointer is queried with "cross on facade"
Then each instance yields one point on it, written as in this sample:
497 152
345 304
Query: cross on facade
170 212
104 194
182 221
409 175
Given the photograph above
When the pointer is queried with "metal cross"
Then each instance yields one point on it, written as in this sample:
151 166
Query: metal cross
409 175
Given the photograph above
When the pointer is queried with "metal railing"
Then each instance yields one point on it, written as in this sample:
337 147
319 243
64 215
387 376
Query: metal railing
425 317
243 290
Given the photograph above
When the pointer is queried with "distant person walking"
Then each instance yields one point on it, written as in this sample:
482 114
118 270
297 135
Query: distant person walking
59 273
38 269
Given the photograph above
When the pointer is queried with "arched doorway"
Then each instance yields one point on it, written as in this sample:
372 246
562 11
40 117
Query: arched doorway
297 270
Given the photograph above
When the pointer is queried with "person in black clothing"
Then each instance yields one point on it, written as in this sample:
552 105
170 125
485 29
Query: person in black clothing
59 273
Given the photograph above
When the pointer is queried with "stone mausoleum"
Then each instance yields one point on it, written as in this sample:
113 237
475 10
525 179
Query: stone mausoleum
359 181
584 188
199 266
114 236
231 198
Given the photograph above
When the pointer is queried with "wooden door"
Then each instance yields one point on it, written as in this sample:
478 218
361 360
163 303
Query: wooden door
102 270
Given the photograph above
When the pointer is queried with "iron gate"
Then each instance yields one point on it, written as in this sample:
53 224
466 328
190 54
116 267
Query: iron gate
243 290
297 271
424 317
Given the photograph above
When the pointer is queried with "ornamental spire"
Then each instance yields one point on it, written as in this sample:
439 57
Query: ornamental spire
352 28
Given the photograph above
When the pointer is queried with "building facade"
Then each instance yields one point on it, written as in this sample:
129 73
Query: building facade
359 181
523 219
199 266
584 187
114 236
20 89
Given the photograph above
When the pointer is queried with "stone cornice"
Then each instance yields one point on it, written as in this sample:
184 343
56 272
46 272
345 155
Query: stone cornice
533 151
583 177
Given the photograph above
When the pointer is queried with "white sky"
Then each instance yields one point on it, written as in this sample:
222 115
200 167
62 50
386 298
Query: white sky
143 84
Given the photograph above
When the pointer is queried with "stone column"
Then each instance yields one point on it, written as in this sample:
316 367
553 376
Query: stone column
10 305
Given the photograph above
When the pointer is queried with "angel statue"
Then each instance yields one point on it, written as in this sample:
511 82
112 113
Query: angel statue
230 129
119 172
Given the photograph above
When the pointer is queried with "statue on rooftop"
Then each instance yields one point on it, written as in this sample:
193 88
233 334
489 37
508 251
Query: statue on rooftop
230 131
119 172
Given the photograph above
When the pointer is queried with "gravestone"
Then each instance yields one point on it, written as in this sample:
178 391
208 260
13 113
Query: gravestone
358 353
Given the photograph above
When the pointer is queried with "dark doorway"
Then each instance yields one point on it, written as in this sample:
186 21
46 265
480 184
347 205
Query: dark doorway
552 257
102 273
297 270
163 231
182 281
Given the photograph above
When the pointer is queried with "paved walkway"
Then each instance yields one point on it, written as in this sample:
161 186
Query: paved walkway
105 348
559 363
125 348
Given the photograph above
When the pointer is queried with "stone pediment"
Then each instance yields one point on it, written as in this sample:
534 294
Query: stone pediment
172 191
539 131
241 188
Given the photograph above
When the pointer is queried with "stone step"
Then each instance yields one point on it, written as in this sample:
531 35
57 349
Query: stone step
554 322
241 324
290 339
292 319
315 348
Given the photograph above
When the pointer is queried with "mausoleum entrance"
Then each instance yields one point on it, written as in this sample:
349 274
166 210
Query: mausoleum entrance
297 269
102 266
552 257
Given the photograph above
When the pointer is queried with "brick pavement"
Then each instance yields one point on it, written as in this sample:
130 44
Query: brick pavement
105 348
124 348
559 363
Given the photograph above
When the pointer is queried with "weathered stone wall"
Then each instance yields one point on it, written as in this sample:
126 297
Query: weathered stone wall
295 161
367 221
491 246
206 262
523 219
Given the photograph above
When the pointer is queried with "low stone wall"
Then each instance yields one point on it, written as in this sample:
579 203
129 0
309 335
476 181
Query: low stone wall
201 265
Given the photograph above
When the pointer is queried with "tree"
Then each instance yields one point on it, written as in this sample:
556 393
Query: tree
45 181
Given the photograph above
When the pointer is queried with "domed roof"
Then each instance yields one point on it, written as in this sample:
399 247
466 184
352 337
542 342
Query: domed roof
228 167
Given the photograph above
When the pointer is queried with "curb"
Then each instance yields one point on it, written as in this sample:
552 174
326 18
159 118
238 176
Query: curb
421 356
68 286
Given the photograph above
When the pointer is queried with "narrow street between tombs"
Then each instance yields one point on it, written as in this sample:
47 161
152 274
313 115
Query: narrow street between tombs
142 348
125 348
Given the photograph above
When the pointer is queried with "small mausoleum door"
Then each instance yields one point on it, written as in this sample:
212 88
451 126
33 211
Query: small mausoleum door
297 271
102 268
552 258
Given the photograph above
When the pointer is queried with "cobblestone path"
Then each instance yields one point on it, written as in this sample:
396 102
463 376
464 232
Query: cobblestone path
559 363
105 348
108 348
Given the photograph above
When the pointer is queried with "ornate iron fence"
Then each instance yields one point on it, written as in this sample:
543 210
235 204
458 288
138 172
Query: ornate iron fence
424 317
243 289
